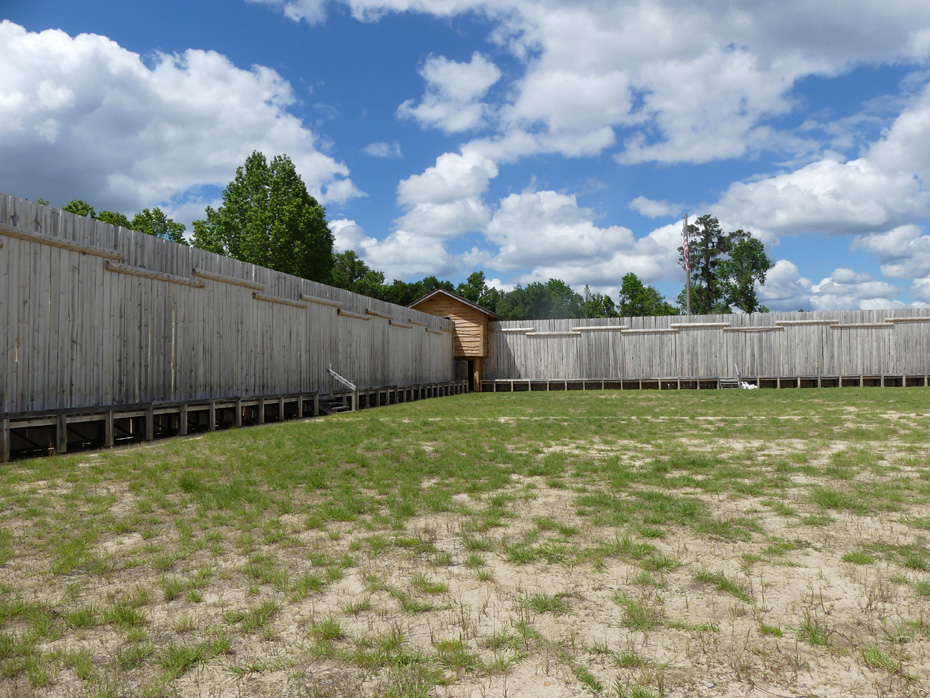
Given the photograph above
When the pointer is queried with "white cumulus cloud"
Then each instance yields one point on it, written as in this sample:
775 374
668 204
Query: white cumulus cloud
446 200
904 252
550 233
846 288
454 90
141 134
384 151
654 209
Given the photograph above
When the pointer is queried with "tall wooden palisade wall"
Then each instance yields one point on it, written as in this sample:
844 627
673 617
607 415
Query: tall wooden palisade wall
92 315
826 343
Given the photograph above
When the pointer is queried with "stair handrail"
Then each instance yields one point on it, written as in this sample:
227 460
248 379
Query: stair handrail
346 382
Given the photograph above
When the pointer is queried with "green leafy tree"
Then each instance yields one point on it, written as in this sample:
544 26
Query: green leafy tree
403 293
149 221
476 290
640 300
155 222
351 273
725 267
745 266
708 244
541 301
597 305
269 218
113 218
473 287
79 207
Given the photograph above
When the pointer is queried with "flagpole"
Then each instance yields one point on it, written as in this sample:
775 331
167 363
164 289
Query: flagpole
684 232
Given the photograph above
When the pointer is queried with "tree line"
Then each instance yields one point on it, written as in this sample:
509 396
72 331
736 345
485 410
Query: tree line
268 217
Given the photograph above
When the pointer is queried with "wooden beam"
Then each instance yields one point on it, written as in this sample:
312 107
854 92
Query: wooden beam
354 316
604 328
280 301
321 301
222 278
149 274
58 242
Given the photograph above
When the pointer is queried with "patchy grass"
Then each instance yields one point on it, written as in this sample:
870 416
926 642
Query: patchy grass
604 543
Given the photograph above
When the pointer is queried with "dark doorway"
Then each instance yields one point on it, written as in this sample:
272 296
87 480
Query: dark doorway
471 375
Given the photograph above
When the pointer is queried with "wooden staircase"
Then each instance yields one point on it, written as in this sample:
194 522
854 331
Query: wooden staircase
336 403
333 404
730 383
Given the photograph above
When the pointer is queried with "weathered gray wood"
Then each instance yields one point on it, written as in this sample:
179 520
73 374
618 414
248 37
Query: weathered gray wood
98 315
42 239
847 343
61 434
4 439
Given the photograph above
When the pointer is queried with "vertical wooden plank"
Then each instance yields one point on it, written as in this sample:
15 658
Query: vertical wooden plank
4 439
61 434
109 432
149 423
9 301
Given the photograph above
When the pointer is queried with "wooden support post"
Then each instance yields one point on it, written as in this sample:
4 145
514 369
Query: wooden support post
212 424
4 440
300 407
281 409
150 423
109 432
316 405
61 435
261 411
238 411
182 428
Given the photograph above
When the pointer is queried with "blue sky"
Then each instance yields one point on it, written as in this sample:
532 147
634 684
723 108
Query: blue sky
528 138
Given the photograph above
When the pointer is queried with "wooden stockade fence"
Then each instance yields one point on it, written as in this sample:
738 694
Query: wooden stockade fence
102 323
828 348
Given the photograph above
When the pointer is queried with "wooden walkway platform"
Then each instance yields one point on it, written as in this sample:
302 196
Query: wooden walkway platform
28 434
515 385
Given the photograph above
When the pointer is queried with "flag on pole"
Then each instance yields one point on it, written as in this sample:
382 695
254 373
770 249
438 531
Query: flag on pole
684 244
